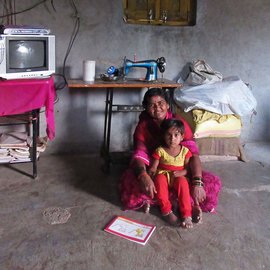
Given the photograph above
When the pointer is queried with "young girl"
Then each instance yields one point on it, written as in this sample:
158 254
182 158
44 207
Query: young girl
169 169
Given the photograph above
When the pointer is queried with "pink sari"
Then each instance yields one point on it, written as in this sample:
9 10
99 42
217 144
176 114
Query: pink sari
146 138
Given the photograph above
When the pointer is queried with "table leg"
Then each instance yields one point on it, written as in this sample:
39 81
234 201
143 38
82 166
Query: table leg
35 115
103 149
107 128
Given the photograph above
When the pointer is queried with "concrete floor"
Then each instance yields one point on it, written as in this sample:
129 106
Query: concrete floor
235 237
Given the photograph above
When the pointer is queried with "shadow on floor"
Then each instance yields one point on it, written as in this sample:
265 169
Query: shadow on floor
86 174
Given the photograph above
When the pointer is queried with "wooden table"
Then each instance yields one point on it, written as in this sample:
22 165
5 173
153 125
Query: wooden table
110 86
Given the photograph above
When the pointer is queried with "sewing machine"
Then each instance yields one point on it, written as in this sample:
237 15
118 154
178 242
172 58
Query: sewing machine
151 66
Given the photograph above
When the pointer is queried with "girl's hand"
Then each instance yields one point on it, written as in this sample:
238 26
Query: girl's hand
151 173
179 173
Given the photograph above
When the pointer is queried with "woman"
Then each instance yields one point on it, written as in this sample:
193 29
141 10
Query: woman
136 187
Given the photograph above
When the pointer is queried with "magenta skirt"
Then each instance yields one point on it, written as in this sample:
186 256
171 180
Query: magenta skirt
132 198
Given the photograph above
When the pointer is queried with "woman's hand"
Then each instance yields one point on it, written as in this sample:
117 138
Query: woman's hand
197 191
198 194
147 185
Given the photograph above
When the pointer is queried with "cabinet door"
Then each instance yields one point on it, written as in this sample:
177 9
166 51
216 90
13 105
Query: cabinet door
178 12
139 11
160 12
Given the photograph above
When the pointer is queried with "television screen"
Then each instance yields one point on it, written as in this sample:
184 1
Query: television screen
27 54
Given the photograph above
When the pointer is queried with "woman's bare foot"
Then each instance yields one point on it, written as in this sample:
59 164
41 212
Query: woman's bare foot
197 214
187 223
172 219
146 208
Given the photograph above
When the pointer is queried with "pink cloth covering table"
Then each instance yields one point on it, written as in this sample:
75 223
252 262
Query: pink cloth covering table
24 95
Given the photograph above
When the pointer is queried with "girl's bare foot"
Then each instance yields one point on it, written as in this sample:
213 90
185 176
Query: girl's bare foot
187 223
197 214
172 219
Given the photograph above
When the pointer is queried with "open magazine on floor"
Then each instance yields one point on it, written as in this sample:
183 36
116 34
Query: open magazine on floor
130 229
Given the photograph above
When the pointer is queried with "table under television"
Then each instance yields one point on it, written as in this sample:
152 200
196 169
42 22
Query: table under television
110 107
28 96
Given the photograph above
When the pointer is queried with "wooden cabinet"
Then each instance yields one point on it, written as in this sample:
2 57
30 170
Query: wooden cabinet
160 12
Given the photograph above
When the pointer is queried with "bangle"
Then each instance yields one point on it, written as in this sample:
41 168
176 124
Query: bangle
197 181
197 184
142 174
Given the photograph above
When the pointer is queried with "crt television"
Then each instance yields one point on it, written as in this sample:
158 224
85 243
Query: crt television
27 56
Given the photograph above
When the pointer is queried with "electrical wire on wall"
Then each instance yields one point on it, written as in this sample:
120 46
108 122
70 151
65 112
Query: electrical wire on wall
10 12
74 34
8 16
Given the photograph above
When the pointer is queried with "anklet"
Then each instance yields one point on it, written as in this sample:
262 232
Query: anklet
164 215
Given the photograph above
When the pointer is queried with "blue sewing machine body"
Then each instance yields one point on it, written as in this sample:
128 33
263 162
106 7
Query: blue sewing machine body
150 65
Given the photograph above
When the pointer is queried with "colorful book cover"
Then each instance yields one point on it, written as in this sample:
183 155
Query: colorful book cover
130 229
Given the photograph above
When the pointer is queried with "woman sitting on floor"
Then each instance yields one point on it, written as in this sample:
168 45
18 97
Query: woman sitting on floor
137 187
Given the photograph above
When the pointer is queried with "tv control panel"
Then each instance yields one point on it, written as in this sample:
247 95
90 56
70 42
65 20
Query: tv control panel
23 30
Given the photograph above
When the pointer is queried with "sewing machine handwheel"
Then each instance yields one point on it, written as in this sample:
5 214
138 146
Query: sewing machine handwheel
161 69
161 64
161 60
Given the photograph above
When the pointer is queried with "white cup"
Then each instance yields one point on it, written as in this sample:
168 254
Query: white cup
89 68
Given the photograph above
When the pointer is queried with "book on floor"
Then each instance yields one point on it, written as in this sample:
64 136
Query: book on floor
130 229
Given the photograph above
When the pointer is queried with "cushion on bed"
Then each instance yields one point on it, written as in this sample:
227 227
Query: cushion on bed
207 124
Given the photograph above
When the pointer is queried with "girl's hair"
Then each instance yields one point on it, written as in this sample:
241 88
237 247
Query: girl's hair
168 123
155 92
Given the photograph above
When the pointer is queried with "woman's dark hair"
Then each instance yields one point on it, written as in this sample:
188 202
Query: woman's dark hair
168 123
155 92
